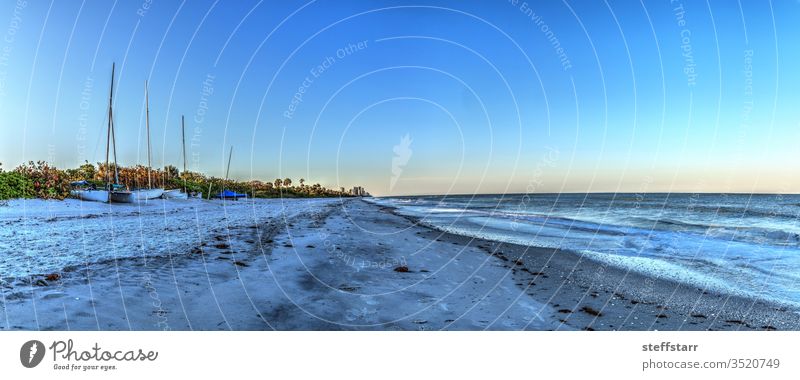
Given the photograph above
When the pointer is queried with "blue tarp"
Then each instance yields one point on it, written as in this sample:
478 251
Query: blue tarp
229 195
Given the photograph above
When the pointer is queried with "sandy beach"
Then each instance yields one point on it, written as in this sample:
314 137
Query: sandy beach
321 264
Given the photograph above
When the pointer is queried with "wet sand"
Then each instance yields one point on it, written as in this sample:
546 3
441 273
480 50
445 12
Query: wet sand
591 295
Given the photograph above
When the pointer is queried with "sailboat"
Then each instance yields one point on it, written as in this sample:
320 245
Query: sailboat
149 192
177 193
83 189
116 192
225 193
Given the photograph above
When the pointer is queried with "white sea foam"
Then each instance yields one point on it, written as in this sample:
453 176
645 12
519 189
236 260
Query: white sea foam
740 244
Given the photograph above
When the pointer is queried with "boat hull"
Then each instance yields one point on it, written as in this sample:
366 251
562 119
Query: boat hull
228 194
91 195
121 197
174 194
145 194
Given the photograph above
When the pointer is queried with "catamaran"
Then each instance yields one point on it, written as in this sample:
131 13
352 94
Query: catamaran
225 193
116 192
177 193
86 191
149 192
174 194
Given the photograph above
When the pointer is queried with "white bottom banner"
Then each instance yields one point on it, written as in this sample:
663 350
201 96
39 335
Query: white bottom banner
395 355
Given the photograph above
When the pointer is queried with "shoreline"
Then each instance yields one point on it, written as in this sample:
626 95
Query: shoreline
594 295
349 264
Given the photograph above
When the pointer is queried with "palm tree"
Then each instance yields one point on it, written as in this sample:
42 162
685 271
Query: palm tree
287 182
302 181
171 172
278 183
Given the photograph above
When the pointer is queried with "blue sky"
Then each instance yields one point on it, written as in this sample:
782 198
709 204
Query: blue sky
480 88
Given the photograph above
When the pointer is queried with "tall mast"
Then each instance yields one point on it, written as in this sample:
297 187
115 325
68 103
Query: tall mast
111 126
114 145
108 131
147 122
183 139
229 164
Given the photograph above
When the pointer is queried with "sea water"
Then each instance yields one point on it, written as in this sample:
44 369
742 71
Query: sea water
736 243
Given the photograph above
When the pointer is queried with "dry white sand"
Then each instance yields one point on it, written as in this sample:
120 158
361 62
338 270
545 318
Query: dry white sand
291 264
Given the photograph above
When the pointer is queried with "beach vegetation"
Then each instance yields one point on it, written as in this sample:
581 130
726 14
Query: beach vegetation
41 180
14 185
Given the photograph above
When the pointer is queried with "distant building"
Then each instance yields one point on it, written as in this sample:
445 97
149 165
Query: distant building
359 191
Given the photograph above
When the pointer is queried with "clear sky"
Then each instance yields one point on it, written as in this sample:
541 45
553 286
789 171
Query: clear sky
493 96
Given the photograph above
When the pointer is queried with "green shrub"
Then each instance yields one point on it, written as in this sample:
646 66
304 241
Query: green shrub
14 185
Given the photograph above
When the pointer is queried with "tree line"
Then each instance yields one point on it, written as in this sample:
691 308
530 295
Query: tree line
41 180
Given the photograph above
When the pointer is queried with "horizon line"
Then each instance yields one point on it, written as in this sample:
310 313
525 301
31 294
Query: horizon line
589 192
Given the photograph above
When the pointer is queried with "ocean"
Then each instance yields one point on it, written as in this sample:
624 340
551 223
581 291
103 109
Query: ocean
742 244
